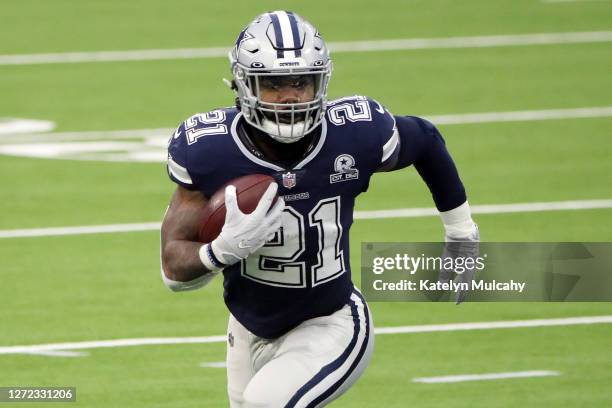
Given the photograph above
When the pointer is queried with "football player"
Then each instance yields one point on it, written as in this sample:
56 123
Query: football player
299 332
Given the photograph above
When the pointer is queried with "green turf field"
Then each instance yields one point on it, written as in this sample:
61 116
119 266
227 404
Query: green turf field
75 288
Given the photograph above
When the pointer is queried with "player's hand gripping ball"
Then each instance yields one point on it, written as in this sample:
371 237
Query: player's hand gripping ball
249 190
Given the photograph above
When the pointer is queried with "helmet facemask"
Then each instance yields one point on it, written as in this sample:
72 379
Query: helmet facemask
285 121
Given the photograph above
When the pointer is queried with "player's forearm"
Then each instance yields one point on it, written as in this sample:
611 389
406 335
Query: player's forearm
181 261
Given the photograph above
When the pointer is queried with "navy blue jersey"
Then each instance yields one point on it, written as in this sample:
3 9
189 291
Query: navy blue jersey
304 271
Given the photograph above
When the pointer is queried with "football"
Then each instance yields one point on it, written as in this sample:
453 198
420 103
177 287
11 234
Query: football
249 190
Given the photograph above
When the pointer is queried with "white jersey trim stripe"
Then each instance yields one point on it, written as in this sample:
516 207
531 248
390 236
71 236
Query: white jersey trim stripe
264 163
179 172
391 145
317 149
245 151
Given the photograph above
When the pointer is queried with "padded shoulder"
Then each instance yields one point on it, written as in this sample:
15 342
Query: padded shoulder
200 136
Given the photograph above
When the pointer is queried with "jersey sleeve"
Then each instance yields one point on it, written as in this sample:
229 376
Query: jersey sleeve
388 137
177 165
422 145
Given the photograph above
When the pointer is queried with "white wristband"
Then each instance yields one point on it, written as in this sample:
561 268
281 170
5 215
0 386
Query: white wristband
458 223
209 259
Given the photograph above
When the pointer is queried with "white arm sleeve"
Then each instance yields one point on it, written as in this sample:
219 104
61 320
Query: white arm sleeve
177 286
458 224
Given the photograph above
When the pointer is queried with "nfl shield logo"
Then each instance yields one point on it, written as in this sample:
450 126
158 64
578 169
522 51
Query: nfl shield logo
289 180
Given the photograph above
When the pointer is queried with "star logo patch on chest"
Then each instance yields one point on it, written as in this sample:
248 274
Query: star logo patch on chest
344 169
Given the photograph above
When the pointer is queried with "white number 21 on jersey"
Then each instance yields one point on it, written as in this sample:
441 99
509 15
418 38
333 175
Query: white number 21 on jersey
276 262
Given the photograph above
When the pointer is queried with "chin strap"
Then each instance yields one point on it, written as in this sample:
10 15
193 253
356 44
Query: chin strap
230 84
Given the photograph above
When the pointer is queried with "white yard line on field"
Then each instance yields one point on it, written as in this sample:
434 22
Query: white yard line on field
509 324
59 353
481 377
567 1
106 135
85 345
359 215
521 116
215 364
451 119
81 230
335 47
149 145
487 209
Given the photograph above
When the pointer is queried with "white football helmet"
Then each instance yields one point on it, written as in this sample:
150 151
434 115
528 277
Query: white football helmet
281 48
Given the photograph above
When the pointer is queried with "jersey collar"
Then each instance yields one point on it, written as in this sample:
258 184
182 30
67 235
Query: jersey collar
262 162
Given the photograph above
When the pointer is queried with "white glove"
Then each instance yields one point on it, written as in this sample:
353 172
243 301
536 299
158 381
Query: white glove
242 234
462 238
465 247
